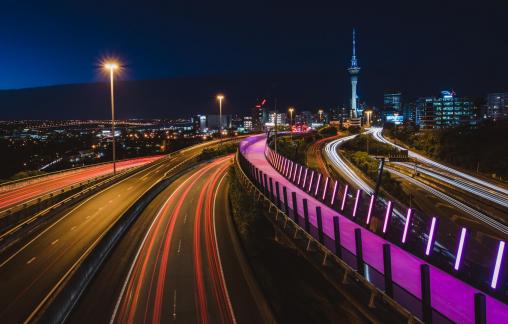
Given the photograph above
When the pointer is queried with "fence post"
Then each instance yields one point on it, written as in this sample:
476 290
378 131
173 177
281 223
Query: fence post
277 192
319 224
359 252
295 207
336 232
387 261
480 309
285 194
306 215
426 304
271 190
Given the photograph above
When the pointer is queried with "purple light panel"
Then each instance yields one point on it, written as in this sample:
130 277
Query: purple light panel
356 202
370 209
334 192
305 177
459 250
497 267
326 188
317 185
344 198
431 235
406 226
311 178
387 216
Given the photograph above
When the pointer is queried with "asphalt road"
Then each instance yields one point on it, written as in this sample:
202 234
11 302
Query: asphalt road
178 262
31 270
11 195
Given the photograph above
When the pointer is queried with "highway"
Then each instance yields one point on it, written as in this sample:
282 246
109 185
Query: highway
331 151
453 177
34 268
178 263
30 189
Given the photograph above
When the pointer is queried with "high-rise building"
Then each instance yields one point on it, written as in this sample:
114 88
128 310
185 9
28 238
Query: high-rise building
497 106
392 103
353 71
409 111
214 121
446 111
259 116
247 123
199 123
281 118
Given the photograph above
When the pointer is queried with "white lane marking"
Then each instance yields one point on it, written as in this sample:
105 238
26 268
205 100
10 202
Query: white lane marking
31 260
129 188
230 306
185 218
179 246
73 228
174 305
124 286
55 241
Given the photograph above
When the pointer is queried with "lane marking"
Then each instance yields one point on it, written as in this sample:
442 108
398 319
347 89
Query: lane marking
129 188
55 241
174 305
230 305
179 246
31 260
185 218
73 228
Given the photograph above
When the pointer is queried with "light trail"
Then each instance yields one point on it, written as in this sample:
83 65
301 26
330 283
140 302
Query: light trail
474 184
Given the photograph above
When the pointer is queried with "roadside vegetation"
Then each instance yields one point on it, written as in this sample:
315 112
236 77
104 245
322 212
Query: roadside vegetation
482 149
219 150
296 148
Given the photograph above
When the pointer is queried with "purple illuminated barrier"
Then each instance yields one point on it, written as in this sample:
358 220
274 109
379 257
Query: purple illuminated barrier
450 296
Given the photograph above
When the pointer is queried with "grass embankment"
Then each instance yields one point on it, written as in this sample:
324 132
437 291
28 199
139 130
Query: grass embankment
357 152
296 147
296 292
219 150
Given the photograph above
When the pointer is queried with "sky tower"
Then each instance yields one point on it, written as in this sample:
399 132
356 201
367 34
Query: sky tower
353 70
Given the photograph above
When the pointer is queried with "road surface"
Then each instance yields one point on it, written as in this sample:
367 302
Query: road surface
32 269
31 189
181 266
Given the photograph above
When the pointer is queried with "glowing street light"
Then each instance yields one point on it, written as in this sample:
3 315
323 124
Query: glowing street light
220 97
111 67
369 114
291 109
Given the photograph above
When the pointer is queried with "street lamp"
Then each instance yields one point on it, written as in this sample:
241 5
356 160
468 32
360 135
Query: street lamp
291 109
111 67
220 98
320 112
368 113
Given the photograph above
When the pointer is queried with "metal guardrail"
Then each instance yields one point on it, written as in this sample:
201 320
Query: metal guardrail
377 296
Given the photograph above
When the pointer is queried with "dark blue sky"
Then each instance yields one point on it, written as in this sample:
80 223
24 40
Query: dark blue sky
441 44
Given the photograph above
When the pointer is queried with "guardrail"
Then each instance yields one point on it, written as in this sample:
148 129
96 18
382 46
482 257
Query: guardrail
287 220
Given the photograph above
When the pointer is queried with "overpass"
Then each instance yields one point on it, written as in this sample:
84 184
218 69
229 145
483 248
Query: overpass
318 201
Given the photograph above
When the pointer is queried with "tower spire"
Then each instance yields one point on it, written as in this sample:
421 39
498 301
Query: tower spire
354 63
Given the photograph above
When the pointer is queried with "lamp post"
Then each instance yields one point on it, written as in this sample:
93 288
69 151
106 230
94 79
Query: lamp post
369 114
220 98
111 67
291 109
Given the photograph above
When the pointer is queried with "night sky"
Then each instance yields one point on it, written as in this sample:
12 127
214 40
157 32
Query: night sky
419 47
